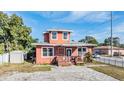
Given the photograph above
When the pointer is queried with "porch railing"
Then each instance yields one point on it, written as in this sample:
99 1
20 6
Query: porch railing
69 58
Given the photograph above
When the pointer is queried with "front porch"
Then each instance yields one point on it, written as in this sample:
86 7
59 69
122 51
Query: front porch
67 55
66 60
62 54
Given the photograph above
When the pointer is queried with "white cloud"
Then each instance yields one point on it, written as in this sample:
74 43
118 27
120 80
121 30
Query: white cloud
79 16
51 14
9 13
118 31
119 28
74 16
98 17
86 16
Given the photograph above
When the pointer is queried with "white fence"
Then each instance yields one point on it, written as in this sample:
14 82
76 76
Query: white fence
4 58
14 57
111 61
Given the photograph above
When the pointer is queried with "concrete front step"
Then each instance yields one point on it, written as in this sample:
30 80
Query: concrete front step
63 63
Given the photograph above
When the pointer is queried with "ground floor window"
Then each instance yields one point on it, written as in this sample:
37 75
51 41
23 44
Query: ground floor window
79 51
48 51
82 51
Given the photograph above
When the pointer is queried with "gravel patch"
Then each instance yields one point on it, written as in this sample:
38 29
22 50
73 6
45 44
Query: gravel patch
71 73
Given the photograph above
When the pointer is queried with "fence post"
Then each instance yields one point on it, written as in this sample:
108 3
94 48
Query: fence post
115 62
2 59
122 63
109 61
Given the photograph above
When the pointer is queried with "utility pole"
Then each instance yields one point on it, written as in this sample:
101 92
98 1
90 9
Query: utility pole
111 35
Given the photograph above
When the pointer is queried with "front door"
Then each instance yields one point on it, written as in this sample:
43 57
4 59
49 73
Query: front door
61 51
68 52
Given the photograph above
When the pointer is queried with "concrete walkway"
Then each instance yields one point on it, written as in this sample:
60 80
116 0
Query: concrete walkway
71 73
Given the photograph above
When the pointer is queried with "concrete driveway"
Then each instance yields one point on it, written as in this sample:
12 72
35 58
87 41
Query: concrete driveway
71 73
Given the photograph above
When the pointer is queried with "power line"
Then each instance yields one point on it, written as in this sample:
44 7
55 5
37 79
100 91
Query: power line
111 34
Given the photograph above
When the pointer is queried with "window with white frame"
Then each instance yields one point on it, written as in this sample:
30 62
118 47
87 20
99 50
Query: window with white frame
44 51
84 49
81 51
65 35
54 35
48 52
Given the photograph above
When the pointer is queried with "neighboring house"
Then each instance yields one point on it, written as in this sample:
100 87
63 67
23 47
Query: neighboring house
57 43
106 50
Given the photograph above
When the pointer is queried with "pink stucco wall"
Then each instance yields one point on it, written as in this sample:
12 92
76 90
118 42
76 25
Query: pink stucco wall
59 40
41 59
46 37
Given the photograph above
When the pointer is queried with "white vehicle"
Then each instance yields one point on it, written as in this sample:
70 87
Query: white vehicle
96 56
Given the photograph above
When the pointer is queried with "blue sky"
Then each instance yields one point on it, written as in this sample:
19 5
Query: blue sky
96 24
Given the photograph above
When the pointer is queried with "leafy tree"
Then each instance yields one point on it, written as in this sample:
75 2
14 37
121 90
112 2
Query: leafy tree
14 33
5 35
36 40
122 45
88 58
31 53
116 41
1 48
83 40
89 39
106 41
21 38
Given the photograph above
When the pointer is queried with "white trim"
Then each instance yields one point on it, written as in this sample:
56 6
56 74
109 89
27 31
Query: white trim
63 35
56 35
66 45
86 49
59 30
82 50
66 51
78 51
47 50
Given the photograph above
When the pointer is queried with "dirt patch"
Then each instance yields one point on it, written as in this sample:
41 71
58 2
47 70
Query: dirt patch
23 68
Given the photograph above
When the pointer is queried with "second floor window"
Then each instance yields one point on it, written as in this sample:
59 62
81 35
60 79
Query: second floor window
54 35
65 35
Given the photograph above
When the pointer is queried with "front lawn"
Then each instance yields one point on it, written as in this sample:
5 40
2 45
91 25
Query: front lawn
25 67
116 72
97 63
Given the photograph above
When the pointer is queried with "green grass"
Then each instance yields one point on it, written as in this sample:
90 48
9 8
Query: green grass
116 72
24 67
80 64
97 62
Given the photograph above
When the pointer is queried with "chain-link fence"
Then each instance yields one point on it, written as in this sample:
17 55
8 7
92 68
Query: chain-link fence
116 62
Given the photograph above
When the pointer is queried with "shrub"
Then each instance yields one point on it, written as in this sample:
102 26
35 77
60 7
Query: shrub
88 58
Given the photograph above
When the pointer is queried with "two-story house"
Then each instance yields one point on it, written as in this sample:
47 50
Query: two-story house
57 43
